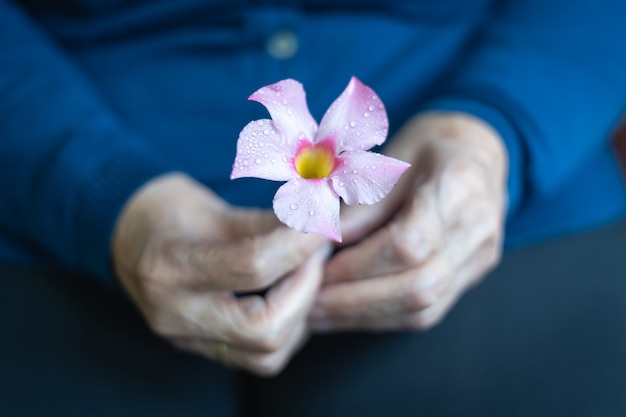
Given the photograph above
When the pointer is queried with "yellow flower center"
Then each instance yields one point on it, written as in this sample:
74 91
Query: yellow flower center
315 162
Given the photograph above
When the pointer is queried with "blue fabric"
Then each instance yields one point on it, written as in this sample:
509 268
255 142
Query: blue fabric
96 98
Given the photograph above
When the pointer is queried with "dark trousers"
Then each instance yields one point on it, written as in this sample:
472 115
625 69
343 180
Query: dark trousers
544 335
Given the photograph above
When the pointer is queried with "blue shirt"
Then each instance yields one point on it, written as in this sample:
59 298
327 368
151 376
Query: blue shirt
96 98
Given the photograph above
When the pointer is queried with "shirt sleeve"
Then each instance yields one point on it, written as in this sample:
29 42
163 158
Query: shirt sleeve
67 163
550 76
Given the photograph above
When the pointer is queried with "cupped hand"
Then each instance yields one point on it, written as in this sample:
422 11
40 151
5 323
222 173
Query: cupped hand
434 236
187 259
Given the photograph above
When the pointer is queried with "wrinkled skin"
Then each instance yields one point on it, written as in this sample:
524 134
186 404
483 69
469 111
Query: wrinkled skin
181 253
437 234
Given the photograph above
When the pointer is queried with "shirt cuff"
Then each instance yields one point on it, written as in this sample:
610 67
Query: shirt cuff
102 201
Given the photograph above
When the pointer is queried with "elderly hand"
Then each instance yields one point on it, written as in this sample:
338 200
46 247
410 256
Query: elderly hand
438 233
181 253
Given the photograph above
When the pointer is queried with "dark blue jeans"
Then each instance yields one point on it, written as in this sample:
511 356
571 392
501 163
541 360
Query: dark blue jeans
544 335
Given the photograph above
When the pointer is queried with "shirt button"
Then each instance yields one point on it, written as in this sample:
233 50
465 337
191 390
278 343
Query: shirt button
282 45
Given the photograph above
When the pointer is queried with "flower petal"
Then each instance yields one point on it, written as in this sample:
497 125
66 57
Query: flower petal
286 102
309 206
366 177
357 119
262 154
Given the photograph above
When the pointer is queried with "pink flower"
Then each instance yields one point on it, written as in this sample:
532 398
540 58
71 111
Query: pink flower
319 164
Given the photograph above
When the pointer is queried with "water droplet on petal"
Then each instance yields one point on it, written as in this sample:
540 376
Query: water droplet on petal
285 102
266 131
342 184
373 167
353 124
371 108
311 213
284 158
257 161
354 181
293 207
261 144
245 162
253 133
366 114
355 171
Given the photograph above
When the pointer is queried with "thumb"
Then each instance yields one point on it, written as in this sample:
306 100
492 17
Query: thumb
240 222
358 222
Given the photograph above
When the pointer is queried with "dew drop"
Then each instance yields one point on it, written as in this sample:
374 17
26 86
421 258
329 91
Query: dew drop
253 133
366 114
293 207
284 158
354 181
342 184
257 161
261 144
355 171
311 213
371 108
373 167
266 131
285 102
353 124
346 127
245 162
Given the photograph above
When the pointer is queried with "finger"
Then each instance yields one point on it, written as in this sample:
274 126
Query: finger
254 323
286 304
263 364
204 319
416 288
409 239
241 222
410 290
357 222
418 228
477 265
247 264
